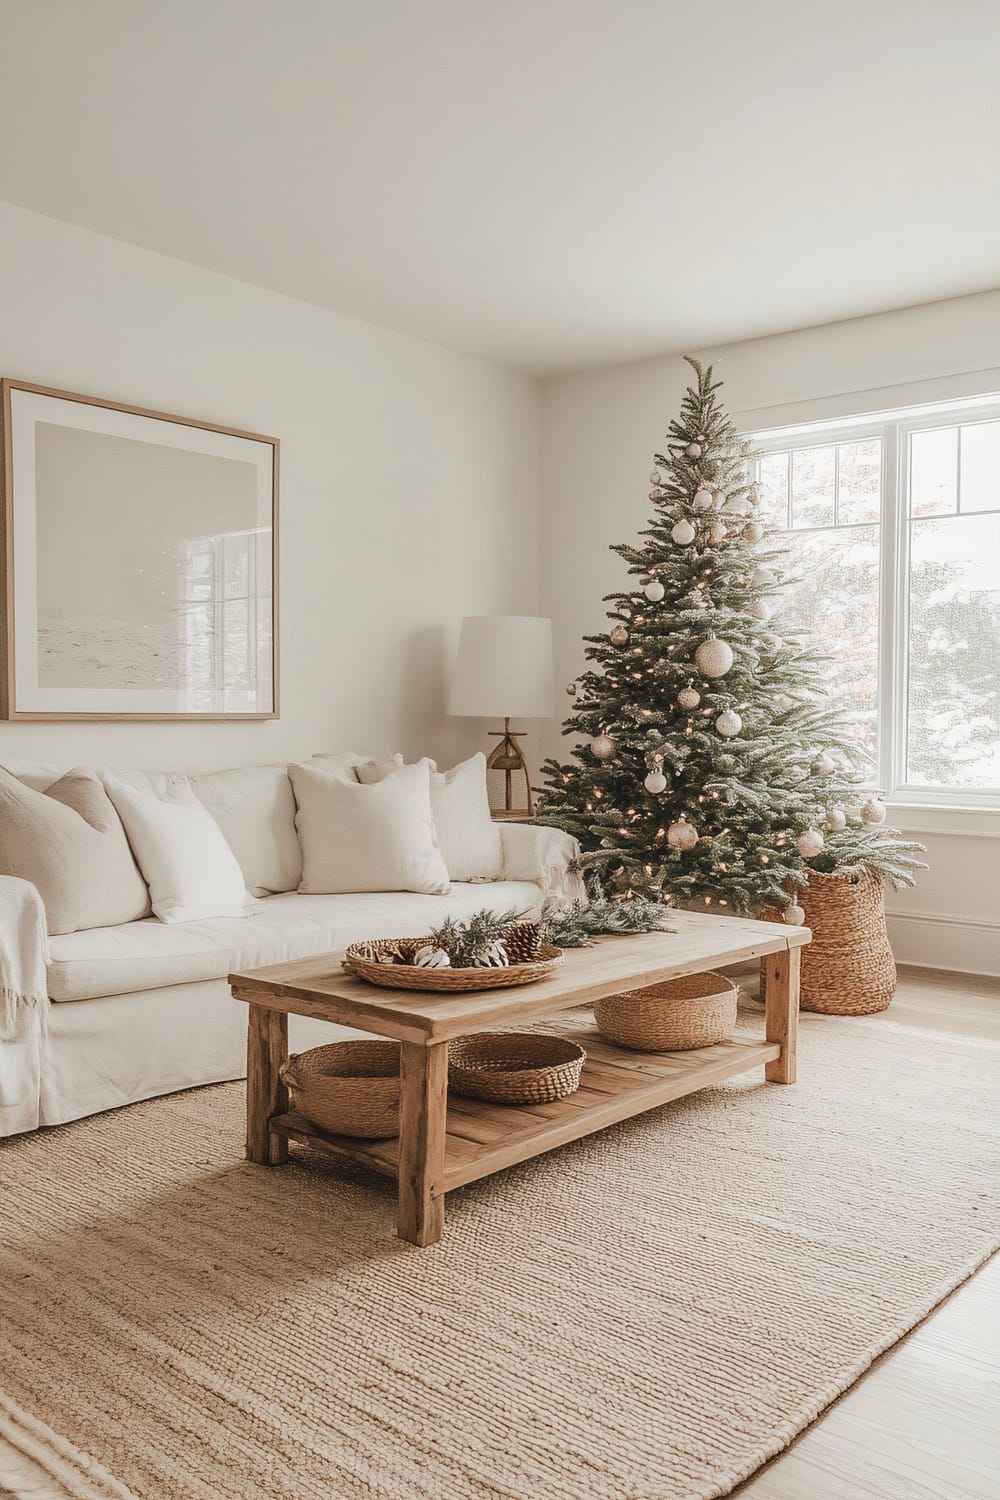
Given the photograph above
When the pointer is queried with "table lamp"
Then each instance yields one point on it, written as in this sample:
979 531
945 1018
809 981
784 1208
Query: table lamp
504 667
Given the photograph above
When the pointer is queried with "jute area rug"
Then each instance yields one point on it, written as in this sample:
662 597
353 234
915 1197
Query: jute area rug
648 1314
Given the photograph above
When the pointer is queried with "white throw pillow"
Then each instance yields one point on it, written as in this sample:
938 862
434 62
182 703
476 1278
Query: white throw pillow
190 869
367 838
467 836
254 807
348 764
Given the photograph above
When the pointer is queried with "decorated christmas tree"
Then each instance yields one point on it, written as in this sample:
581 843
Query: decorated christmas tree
711 765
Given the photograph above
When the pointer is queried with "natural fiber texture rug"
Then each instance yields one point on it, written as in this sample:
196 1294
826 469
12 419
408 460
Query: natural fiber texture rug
648 1314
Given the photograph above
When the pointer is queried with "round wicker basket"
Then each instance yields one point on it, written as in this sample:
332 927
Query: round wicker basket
696 1010
848 968
361 959
514 1067
347 1088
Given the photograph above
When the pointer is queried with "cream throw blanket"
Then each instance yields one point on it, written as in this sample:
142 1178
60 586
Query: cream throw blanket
23 954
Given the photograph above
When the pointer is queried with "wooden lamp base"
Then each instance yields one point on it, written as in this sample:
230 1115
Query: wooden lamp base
508 757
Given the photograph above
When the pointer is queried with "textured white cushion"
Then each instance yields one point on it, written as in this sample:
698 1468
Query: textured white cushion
255 808
183 855
367 838
467 836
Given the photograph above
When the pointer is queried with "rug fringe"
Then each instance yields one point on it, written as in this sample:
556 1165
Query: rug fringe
80 1475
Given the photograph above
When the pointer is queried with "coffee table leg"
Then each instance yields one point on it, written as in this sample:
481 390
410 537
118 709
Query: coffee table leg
422 1123
781 1012
267 1049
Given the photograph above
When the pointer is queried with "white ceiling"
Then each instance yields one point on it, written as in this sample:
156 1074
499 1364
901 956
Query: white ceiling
549 183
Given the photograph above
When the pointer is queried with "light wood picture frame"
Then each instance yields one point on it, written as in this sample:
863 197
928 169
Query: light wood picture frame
139 557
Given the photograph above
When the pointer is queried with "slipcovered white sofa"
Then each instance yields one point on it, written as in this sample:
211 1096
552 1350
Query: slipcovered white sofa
143 1008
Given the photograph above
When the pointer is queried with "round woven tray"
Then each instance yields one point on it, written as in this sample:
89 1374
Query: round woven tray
360 960
347 1088
696 1010
848 968
514 1067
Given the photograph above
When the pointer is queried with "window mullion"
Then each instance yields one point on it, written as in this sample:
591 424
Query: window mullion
893 612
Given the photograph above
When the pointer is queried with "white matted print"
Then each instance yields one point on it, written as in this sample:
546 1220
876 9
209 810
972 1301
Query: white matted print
139 557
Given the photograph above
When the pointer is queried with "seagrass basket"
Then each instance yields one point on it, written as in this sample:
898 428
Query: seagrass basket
514 1067
363 959
848 968
347 1088
695 1010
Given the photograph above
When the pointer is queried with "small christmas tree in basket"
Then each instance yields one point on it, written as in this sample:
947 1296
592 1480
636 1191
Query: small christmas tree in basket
711 767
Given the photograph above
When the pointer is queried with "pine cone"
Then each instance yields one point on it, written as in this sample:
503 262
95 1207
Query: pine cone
523 942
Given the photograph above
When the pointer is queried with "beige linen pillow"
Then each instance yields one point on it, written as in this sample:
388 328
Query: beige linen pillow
70 843
466 834
254 807
367 838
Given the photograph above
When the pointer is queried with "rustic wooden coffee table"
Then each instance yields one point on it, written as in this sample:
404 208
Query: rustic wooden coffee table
444 1143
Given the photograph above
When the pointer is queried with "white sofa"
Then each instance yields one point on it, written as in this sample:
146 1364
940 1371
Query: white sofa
144 1009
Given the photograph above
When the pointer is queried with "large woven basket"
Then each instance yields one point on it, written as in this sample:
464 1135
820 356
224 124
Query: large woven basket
362 959
695 1010
347 1088
514 1067
848 968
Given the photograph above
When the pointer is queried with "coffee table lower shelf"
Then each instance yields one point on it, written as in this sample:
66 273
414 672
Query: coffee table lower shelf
482 1138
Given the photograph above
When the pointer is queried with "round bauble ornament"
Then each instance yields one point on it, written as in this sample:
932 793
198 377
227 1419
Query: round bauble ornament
794 915
810 843
603 746
782 702
688 698
619 636
654 477
702 498
762 578
753 531
655 782
571 689
713 658
760 609
873 810
836 819
823 765
717 534
429 957
728 723
683 533
693 450
682 835
654 591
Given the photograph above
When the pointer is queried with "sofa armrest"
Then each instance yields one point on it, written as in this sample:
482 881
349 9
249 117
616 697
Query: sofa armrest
24 952
546 856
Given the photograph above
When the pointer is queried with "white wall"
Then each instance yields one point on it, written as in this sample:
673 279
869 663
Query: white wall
599 432
409 485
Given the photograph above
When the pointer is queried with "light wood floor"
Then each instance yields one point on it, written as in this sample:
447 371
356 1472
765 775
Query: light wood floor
924 1423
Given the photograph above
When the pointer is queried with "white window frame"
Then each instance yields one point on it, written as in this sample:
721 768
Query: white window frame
894 429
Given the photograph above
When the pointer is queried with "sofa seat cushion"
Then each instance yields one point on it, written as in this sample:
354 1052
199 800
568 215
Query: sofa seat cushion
150 954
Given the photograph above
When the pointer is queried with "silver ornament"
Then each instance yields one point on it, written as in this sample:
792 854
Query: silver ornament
693 450
794 915
655 782
603 746
836 819
809 843
702 498
688 698
683 533
571 689
654 591
682 835
728 723
619 636
873 810
753 531
717 534
714 658
654 477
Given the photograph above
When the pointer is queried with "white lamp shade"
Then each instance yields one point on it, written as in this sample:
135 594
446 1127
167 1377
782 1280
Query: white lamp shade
504 668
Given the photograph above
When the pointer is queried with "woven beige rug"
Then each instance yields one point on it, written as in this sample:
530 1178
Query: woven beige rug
648 1314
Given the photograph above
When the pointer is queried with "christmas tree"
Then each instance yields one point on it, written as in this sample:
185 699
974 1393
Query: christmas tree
712 768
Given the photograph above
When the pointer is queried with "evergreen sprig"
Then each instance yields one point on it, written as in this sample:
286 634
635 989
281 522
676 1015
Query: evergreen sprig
466 943
583 921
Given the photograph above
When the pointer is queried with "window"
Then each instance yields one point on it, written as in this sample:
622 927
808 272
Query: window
893 526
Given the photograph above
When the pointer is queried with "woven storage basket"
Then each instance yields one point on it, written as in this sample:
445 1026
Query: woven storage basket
347 1088
361 959
514 1067
696 1010
848 968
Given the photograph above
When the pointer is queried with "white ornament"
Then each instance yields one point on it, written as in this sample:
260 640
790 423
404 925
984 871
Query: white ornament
728 723
762 578
571 689
682 835
429 957
823 765
703 498
753 531
809 843
494 957
760 609
797 773
603 746
794 915
783 703
688 698
714 658
683 533
619 636
655 782
693 450
717 534
654 591
836 819
654 478
873 810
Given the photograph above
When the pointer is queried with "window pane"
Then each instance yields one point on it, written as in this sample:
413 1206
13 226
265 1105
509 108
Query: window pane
933 472
774 489
836 607
813 472
953 732
859 482
980 489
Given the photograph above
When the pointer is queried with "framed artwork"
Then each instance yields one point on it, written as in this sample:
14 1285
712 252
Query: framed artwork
139 556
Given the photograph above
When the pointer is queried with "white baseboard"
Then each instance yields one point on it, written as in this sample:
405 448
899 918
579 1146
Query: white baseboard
968 945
